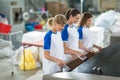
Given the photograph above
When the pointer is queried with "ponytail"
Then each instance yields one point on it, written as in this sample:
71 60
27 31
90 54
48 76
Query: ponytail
72 12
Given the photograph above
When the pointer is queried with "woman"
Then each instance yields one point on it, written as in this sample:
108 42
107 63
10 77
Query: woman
85 41
70 35
53 46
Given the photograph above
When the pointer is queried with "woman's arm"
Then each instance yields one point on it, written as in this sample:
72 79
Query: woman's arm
70 51
81 46
51 58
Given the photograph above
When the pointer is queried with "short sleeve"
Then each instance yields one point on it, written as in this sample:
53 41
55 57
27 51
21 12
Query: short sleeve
65 33
80 33
47 42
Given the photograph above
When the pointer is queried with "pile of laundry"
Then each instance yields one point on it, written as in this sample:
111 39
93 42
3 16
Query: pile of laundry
110 20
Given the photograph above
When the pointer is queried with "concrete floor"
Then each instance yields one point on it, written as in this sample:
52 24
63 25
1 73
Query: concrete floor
6 69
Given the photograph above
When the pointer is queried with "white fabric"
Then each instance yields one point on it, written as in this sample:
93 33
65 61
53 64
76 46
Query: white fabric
105 20
5 48
87 38
33 36
57 51
93 35
73 39
72 42
115 28
110 20
98 35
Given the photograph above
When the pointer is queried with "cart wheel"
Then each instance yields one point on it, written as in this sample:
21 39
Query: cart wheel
12 73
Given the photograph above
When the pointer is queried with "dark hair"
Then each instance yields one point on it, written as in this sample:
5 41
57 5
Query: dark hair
84 18
72 12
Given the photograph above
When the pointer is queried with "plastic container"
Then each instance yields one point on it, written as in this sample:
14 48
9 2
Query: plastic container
29 27
38 26
5 28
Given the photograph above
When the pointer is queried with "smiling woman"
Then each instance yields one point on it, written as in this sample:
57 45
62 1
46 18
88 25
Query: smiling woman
85 36
53 46
70 34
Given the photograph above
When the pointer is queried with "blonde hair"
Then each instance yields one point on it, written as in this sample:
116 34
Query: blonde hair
50 21
60 19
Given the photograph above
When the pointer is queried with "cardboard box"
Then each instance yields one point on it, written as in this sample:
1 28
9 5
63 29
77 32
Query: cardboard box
108 4
56 7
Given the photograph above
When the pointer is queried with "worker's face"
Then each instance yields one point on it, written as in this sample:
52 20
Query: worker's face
59 27
75 19
89 21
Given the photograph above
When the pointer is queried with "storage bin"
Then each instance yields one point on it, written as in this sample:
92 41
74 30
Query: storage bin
5 28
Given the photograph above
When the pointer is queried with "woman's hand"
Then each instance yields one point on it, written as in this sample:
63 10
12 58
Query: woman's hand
100 48
90 51
60 62
78 53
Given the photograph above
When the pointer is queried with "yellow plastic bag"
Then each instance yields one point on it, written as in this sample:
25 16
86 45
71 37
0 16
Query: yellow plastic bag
27 61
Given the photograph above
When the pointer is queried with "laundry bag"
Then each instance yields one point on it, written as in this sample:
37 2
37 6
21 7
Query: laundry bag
27 61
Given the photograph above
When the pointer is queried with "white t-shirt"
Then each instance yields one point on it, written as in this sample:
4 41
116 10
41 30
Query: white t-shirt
53 43
71 37
85 35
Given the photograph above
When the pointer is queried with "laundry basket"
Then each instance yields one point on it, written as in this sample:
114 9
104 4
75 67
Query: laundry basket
5 28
